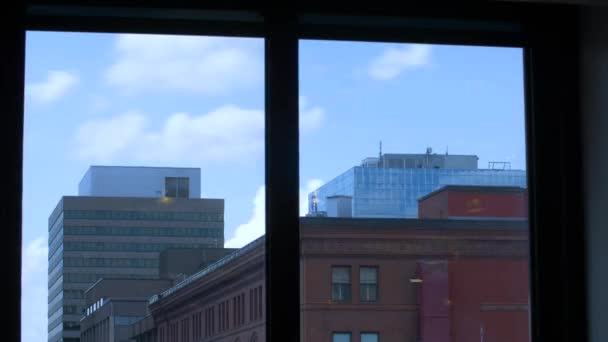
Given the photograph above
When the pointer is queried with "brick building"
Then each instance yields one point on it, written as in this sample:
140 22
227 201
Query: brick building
462 201
366 280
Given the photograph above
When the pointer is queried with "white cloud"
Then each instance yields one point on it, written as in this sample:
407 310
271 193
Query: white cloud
311 118
394 61
57 84
102 140
34 291
226 133
203 65
255 227
311 185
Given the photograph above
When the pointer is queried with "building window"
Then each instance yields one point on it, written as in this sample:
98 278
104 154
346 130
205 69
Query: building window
340 337
368 289
177 187
369 337
340 283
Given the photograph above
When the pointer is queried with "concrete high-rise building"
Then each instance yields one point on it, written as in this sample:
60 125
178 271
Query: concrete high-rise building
123 218
389 186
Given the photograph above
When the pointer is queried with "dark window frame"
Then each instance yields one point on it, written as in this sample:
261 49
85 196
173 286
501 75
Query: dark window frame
350 284
377 294
548 35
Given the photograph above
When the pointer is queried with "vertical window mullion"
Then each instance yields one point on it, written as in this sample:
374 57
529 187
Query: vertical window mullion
282 179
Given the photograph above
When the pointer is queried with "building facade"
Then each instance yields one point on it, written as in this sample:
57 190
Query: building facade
365 280
459 201
390 186
93 237
112 305
223 302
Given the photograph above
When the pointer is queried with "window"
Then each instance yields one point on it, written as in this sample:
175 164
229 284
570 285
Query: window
341 337
177 187
369 337
340 284
368 284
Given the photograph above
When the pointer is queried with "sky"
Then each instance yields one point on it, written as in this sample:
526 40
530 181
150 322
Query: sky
109 99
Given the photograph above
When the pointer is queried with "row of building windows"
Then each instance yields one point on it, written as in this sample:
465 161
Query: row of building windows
143 231
238 310
210 321
111 262
341 284
93 277
73 294
99 331
142 215
94 307
207 328
224 316
255 303
73 309
127 247
55 240
364 337
185 330
196 326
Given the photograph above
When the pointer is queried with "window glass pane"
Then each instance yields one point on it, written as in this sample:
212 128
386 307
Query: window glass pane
143 179
341 337
413 176
341 275
368 275
170 187
183 187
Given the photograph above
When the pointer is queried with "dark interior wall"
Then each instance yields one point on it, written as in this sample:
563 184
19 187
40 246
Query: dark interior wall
594 102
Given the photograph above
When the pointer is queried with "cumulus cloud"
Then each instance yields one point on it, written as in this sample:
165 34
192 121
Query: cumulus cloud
394 61
57 84
226 133
255 227
311 118
34 290
203 65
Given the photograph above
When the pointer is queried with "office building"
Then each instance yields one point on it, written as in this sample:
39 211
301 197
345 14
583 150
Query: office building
117 227
390 185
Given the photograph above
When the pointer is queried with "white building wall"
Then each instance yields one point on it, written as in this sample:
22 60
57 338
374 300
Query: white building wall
126 181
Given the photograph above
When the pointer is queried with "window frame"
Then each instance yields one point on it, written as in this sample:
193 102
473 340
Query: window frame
350 284
549 37
377 294
377 333
350 335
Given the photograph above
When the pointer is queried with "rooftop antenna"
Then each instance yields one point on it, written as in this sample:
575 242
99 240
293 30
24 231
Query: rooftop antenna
380 153
446 150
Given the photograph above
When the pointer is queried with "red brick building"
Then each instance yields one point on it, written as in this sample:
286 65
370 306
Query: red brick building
458 274
368 280
461 201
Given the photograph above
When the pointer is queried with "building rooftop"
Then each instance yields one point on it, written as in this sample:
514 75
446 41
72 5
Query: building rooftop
474 188
141 181
358 225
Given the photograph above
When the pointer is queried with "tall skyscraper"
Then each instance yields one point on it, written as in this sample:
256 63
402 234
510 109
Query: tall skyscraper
389 186
116 227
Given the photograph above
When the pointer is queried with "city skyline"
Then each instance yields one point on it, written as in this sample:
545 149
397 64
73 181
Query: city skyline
110 99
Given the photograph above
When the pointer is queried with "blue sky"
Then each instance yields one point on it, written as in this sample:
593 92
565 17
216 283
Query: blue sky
106 99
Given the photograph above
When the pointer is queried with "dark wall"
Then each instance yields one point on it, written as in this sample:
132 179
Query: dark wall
594 101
